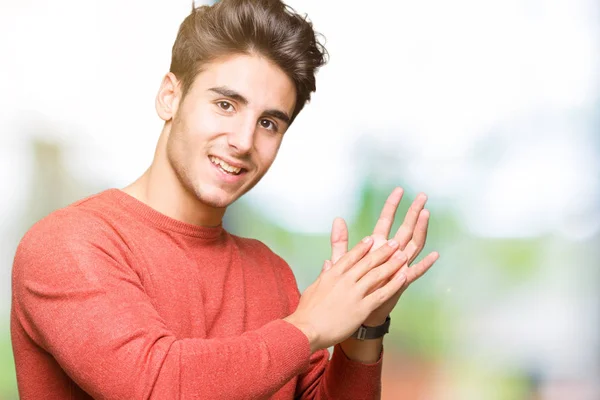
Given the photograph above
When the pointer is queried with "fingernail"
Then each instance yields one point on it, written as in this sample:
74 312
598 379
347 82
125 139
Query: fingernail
367 239
392 243
400 255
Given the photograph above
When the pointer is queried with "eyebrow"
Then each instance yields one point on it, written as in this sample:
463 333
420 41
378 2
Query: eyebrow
232 94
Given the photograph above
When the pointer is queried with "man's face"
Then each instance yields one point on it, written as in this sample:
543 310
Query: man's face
229 126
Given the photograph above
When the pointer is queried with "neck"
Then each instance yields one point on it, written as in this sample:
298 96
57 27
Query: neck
160 188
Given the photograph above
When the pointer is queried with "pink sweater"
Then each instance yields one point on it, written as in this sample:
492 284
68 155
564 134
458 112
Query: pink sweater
114 300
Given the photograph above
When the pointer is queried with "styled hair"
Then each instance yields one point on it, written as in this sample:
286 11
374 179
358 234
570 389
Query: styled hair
269 28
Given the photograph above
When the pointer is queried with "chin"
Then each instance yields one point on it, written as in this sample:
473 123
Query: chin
214 197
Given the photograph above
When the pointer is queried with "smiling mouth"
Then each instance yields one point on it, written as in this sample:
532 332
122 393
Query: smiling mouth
223 166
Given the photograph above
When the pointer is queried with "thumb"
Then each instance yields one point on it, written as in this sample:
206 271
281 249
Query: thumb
339 239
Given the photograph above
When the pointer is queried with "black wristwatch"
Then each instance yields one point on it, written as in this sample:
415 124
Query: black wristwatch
372 332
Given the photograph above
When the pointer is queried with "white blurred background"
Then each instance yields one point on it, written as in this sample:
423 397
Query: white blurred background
490 107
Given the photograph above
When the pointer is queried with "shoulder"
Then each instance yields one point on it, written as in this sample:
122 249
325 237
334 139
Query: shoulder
75 221
69 232
252 245
257 249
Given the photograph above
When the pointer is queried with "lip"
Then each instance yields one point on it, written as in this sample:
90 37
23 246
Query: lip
224 176
232 163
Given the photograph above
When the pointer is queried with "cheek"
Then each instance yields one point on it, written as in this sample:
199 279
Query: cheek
207 124
267 149
198 128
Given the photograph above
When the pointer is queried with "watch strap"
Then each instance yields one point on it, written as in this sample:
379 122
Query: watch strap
372 332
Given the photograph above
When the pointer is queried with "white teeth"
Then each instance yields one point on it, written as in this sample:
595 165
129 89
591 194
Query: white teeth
224 165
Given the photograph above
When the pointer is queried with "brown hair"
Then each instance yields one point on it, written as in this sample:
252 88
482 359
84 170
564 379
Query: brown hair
267 27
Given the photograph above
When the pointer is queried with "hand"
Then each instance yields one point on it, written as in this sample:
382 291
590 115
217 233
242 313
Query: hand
411 239
342 297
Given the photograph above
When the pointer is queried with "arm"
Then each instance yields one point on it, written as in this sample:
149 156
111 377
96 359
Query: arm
355 367
78 299
92 314
341 377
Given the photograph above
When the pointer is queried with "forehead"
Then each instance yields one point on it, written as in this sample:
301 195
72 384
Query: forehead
259 80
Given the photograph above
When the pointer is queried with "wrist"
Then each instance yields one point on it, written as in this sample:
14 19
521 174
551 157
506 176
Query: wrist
307 330
364 351
372 332
373 321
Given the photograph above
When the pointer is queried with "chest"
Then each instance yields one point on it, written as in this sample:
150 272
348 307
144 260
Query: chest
211 291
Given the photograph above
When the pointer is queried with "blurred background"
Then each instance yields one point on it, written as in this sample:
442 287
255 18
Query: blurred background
490 107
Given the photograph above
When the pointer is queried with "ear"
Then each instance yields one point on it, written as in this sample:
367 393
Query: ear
168 97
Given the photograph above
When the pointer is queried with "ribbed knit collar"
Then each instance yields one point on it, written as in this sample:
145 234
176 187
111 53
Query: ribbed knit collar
161 220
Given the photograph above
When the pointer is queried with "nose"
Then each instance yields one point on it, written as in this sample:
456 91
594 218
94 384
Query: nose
241 138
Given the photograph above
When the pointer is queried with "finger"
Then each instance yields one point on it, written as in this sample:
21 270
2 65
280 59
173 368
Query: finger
380 276
383 283
353 256
414 272
374 259
388 213
394 299
339 239
405 232
416 244
326 266
383 294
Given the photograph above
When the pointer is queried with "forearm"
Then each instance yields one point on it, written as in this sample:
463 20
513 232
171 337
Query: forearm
254 365
114 344
364 351
343 378
354 372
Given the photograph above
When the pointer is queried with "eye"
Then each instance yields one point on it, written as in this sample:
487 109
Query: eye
268 124
225 106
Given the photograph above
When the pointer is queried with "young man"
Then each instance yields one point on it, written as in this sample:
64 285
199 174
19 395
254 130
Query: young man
140 293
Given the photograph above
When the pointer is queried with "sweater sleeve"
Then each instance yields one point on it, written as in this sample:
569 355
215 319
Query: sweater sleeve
338 377
91 313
